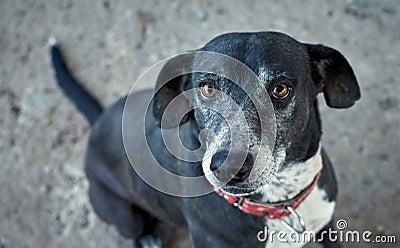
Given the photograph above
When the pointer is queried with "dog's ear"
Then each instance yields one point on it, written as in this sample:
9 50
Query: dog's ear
331 69
170 83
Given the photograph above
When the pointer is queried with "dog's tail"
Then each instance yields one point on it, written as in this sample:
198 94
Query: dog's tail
84 101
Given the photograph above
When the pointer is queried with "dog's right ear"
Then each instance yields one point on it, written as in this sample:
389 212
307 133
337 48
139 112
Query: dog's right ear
170 83
331 68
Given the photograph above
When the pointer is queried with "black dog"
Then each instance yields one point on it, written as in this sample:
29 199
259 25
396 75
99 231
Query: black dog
301 193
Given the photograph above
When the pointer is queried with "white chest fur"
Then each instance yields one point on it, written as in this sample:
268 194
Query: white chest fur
316 210
289 182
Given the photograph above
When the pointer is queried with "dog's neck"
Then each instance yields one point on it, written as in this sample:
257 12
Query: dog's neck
291 180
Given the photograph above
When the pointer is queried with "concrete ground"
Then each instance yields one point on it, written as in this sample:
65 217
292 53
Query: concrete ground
43 190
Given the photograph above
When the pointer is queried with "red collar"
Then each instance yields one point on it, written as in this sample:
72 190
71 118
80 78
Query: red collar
276 210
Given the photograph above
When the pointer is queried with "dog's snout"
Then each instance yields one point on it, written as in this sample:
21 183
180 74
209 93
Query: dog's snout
236 170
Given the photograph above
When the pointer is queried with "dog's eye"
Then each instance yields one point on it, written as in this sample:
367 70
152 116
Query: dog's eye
281 91
207 90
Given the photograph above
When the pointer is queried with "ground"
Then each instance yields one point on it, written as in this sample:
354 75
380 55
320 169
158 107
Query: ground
108 44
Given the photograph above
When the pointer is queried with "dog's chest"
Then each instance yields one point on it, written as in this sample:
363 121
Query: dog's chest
316 211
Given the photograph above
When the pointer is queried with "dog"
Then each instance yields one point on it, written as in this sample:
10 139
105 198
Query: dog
299 195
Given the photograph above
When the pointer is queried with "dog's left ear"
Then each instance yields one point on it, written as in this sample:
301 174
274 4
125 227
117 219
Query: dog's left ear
331 68
170 83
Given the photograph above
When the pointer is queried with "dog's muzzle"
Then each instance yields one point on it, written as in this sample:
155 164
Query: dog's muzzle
234 168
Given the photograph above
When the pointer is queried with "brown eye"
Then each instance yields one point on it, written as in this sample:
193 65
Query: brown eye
281 91
207 90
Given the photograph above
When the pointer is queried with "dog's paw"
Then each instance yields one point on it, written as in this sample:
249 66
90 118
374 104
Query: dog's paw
148 241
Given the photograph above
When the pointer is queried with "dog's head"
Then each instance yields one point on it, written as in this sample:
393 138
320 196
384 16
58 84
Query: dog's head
292 74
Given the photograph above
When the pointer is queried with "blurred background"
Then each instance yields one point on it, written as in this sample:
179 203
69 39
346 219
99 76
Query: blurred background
108 44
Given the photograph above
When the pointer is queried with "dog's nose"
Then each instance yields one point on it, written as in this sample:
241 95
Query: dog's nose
231 171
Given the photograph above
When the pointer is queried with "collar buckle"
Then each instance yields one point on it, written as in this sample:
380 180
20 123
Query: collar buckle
239 203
